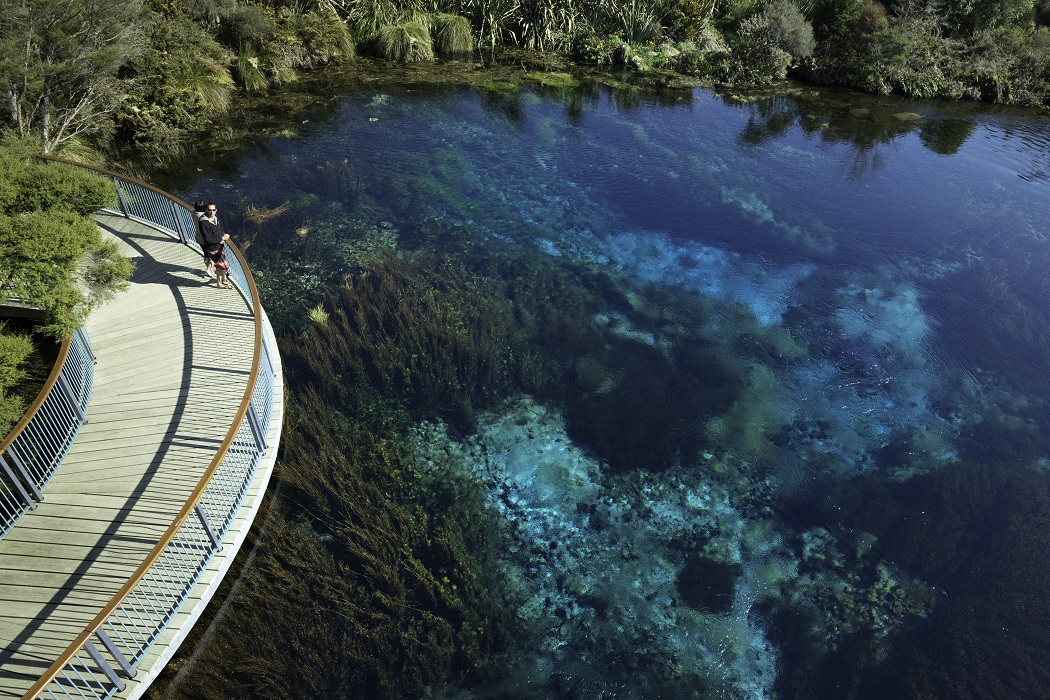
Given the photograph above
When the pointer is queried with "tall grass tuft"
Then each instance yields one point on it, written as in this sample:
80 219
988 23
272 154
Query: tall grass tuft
452 35
639 22
407 42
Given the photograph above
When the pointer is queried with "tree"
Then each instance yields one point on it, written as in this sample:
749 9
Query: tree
59 60
966 17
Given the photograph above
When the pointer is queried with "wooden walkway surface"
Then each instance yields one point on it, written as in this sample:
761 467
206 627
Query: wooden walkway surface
173 357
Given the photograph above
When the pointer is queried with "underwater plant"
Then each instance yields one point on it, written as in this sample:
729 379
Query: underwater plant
375 576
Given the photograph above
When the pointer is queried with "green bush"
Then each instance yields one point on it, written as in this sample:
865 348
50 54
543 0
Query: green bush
54 256
596 49
246 24
638 21
688 18
324 37
757 58
14 349
182 81
28 187
250 71
1010 66
966 17
788 29
873 17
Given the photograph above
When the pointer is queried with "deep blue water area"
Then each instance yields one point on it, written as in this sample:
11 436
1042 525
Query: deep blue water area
866 513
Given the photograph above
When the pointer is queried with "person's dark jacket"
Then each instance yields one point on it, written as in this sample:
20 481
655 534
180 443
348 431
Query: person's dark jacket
211 232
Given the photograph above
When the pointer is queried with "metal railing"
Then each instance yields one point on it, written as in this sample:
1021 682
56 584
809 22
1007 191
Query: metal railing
36 446
116 640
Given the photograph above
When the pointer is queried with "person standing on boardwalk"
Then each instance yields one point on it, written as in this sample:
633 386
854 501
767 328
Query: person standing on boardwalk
199 214
214 240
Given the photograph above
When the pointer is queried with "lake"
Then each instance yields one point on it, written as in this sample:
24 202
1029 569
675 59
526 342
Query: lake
775 422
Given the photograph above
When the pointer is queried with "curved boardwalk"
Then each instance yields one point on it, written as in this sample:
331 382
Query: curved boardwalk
173 358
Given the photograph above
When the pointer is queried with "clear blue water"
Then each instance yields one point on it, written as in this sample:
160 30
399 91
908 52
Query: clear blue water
865 516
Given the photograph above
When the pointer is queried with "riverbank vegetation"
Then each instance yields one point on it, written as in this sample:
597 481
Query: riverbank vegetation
153 75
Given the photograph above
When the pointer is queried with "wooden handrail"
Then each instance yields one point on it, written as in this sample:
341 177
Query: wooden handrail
169 534
41 396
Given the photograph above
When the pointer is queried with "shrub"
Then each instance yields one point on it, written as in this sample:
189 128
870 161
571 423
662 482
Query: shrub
873 17
688 18
966 17
246 24
54 256
324 37
757 58
737 10
638 22
14 349
598 50
181 80
1010 66
788 29
30 187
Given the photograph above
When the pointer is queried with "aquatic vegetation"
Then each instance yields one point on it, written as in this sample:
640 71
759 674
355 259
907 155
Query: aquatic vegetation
664 574
376 576
437 343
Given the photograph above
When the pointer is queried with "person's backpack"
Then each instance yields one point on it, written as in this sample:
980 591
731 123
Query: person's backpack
199 207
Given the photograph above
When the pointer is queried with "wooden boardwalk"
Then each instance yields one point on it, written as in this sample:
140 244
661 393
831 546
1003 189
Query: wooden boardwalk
173 358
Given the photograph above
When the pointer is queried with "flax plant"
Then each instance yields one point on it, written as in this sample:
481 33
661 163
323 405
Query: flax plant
249 69
639 21
549 24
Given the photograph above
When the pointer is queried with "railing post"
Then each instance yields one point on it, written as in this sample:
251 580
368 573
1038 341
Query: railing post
17 484
30 482
207 527
178 222
87 344
71 397
257 430
104 665
120 197
266 353
115 653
